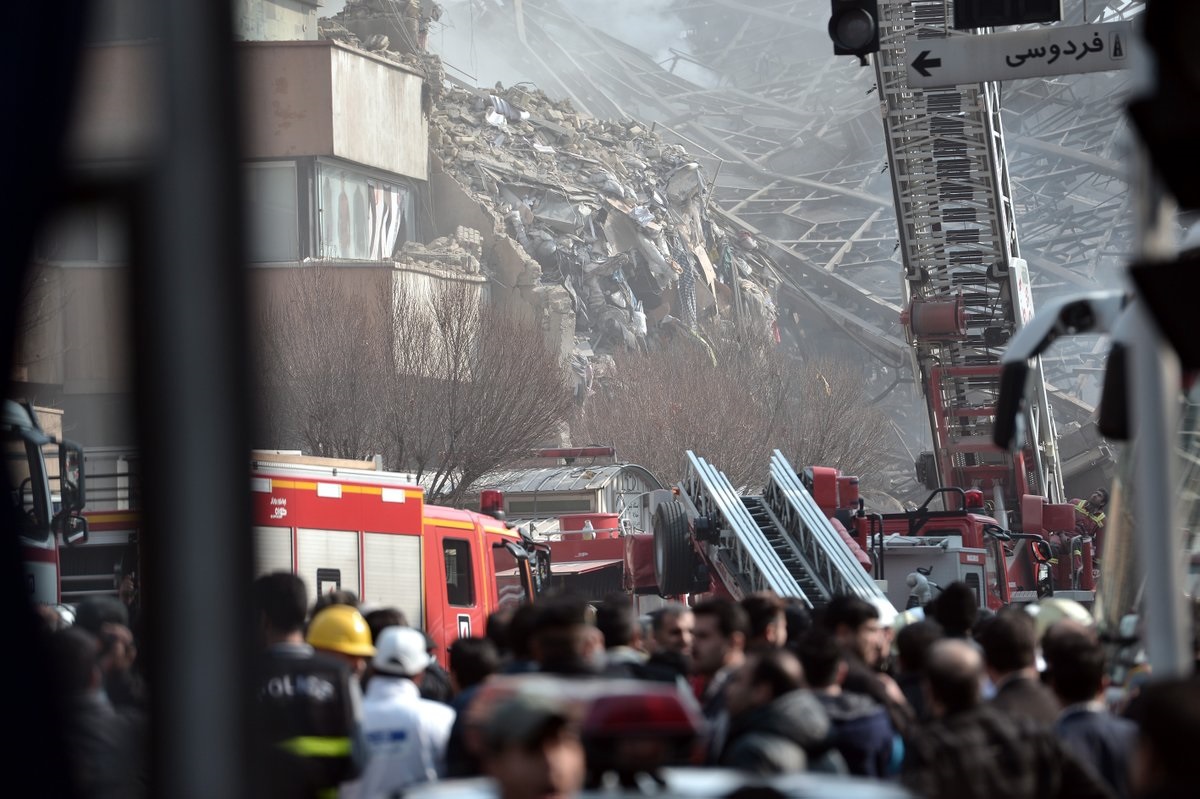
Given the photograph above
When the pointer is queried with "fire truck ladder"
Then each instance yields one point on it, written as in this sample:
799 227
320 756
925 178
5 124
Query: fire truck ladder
749 552
966 288
778 541
806 528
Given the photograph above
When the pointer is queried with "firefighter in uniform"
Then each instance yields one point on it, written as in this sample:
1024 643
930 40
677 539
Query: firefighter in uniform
309 704
1089 520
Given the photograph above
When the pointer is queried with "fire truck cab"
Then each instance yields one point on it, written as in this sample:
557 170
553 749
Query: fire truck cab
43 518
346 525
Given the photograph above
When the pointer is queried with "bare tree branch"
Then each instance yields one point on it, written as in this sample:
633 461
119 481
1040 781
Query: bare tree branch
660 404
320 369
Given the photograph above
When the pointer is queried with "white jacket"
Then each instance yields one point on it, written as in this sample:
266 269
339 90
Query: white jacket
405 736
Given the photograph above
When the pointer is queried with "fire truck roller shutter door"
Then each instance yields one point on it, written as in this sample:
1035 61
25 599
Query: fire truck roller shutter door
327 549
272 549
392 574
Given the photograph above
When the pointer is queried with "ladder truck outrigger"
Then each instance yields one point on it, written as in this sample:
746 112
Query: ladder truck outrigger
996 518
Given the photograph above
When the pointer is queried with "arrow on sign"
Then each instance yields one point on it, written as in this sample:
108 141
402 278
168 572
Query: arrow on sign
923 64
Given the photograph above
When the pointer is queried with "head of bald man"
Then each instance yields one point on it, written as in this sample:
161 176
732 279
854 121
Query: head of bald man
953 676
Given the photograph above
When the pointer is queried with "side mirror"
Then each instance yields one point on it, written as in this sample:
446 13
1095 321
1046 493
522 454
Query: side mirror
71 528
73 480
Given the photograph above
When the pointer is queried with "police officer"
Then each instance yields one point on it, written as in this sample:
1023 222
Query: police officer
309 702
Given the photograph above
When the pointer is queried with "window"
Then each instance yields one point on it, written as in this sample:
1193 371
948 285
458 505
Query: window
510 588
271 212
362 218
460 579
84 235
519 508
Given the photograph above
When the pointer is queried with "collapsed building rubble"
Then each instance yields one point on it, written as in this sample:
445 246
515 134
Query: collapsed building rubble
615 222
609 212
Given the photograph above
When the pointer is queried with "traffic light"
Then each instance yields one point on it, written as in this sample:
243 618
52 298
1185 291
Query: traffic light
854 28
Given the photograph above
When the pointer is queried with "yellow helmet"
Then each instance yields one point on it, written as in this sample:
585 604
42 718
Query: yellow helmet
341 628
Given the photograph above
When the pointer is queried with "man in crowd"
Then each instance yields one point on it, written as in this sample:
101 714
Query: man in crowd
773 722
672 627
107 618
670 643
1009 642
854 623
406 735
913 643
472 662
860 729
618 624
106 745
1165 765
972 750
309 704
1075 671
532 748
563 640
718 649
768 619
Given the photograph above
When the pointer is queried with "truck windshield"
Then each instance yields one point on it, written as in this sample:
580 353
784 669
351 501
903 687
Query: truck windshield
29 497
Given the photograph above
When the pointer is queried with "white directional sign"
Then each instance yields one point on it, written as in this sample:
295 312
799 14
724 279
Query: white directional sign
1034 53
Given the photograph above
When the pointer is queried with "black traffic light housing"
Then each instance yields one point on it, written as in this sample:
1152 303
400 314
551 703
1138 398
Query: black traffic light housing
854 27
970 14
1168 119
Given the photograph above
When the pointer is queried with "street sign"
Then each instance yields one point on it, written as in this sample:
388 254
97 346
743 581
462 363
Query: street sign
1036 53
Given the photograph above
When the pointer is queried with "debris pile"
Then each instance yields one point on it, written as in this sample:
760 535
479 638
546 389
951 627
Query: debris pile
461 252
610 212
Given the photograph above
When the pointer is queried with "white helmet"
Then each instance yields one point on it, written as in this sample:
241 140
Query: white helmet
1053 609
401 652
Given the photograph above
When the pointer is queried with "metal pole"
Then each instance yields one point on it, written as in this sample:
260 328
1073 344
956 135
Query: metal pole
1155 400
1155 406
192 409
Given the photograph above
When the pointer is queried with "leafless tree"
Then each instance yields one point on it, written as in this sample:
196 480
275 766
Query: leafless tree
442 384
733 406
480 393
322 368
834 422
42 304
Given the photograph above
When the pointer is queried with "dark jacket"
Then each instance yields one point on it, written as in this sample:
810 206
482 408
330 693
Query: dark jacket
1103 742
106 747
460 760
912 685
983 753
862 679
1026 697
861 732
309 723
775 738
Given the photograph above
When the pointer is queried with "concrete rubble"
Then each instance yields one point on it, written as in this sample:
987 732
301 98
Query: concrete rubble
611 220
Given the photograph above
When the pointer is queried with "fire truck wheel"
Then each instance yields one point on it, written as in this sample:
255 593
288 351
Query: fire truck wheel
673 553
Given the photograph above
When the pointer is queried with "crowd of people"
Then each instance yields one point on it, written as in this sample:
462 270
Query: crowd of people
352 701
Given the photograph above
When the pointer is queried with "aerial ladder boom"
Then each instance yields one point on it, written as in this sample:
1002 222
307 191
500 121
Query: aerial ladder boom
966 287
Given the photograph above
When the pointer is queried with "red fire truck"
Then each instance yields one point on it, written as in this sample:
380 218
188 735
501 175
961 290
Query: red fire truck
346 525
